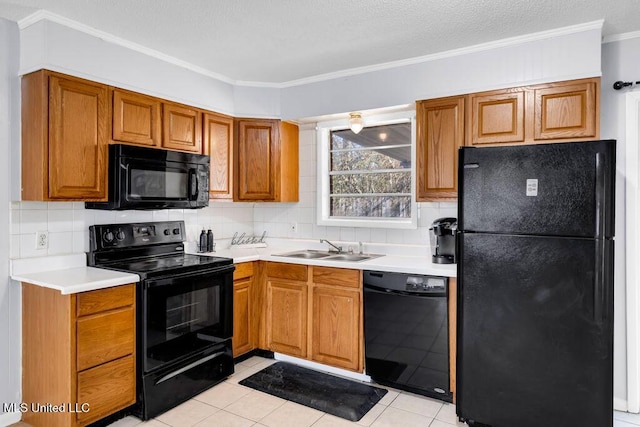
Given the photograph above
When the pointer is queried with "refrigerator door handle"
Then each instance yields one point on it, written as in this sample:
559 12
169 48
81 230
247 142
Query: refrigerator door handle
600 270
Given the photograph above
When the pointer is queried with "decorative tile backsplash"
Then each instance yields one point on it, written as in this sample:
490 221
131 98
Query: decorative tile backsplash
68 223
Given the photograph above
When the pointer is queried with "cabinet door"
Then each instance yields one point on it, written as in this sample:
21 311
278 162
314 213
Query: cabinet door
336 327
496 117
242 339
287 317
218 145
78 123
136 119
567 110
440 132
181 128
258 165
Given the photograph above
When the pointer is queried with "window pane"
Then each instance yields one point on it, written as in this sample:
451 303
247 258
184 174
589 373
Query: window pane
389 158
374 207
385 182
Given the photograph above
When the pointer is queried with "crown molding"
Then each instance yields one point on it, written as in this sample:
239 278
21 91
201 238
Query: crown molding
44 15
620 37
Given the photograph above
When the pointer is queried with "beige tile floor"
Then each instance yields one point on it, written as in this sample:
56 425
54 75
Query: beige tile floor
229 404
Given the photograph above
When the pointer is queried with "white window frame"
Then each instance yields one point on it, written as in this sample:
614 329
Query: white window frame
323 139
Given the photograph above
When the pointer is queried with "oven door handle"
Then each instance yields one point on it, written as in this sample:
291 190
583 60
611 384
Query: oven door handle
189 366
169 280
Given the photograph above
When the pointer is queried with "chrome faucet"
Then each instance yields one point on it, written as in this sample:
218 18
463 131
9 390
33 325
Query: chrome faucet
338 248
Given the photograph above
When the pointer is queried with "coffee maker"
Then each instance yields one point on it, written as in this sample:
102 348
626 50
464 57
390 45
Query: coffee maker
443 240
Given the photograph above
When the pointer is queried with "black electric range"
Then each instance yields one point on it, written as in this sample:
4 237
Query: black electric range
184 310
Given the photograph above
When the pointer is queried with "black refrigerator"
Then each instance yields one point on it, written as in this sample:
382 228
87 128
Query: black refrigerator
535 285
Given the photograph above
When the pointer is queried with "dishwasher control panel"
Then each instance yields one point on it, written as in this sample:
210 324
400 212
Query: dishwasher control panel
426 283
404 282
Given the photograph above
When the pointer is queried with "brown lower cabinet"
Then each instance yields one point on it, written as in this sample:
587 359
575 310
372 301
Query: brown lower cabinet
336 337
287 308
78 351
244 336
315 313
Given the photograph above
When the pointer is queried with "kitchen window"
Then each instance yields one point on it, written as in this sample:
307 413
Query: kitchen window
367 179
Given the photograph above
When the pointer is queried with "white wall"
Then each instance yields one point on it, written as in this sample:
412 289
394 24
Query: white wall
56 47
552 56
10 337
68 224
620 61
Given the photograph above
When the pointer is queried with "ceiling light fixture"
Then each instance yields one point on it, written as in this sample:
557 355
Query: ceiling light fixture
382 136
355 122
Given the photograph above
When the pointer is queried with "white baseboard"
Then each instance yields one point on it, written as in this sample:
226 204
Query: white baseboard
620 404
9 418
321 367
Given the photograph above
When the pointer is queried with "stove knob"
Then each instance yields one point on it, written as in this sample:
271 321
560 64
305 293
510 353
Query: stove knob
176 231
167 232
120 235
108 237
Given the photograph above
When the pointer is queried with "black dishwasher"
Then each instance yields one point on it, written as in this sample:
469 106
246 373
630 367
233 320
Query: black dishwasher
406 332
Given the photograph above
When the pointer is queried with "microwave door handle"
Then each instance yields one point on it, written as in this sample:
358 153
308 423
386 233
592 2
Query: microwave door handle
193 184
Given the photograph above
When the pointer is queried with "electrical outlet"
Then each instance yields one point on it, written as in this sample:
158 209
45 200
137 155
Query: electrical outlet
293 227
42 240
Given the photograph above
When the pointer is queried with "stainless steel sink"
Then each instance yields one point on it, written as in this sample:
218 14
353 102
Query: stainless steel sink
305 254
351 257
327 256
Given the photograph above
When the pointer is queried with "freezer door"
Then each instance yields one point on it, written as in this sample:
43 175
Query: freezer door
535 331
546 189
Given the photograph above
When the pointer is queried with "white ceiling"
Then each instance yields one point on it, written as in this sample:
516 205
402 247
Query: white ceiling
281 41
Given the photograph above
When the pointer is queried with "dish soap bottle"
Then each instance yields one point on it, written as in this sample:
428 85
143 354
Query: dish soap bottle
209 241
202 245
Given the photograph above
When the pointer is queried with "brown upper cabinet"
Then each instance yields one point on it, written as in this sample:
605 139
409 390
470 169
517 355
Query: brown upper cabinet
64 138
551 112
151 122
440 132
217 142
136 118
496 117
181 128
568 110
266 160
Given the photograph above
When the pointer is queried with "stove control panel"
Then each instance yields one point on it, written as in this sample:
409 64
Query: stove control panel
113 236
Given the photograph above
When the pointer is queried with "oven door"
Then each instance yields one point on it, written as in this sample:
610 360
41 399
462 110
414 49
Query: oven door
185 314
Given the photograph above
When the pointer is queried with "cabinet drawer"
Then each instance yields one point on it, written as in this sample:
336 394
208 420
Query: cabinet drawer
287 271
107 389
105 299
243 270
337 276
106 337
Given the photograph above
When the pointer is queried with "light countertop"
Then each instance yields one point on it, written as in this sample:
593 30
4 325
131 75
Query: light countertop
79 279
69 273
399 259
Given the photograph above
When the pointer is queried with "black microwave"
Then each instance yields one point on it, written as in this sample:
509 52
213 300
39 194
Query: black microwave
151 178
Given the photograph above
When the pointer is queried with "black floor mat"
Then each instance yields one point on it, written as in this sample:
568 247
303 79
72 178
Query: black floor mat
336 396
